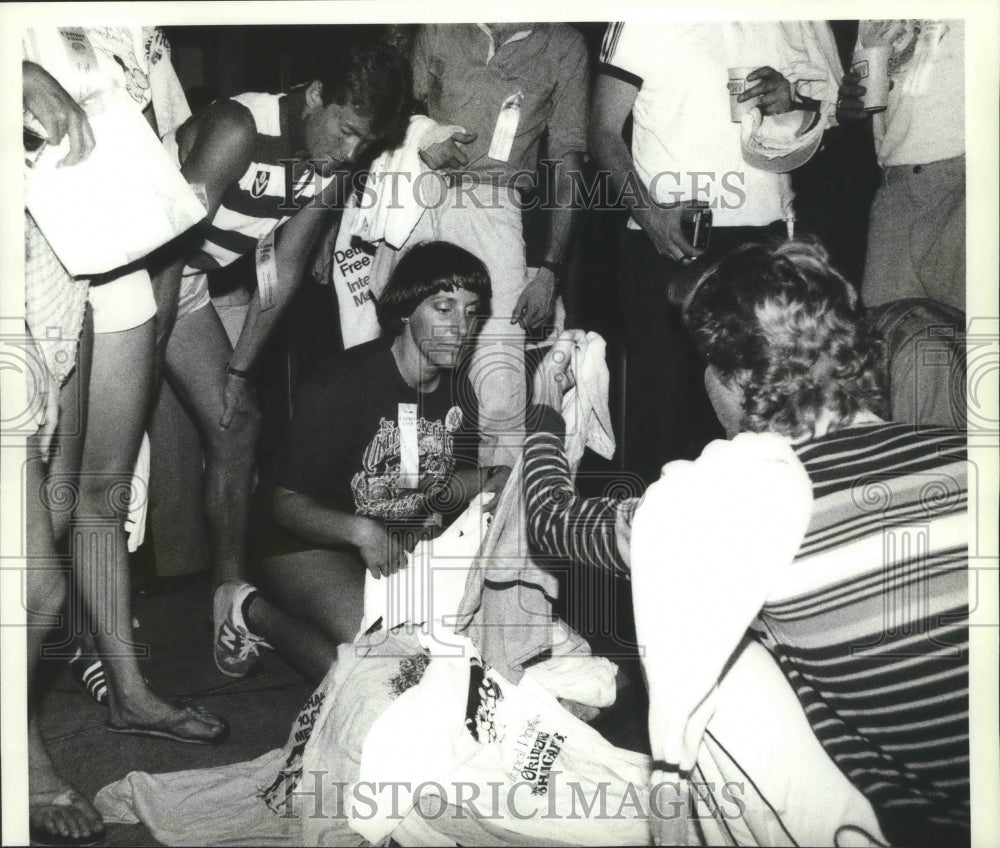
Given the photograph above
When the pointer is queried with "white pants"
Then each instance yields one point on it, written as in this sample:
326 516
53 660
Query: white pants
486 221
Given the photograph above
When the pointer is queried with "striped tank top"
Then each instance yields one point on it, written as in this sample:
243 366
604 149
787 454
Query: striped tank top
267 194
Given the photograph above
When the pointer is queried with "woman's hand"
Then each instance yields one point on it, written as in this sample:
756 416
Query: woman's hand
554 376
381 550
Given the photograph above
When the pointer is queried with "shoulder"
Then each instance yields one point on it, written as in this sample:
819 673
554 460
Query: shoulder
567 40
228 119
225 127
347 368
431 36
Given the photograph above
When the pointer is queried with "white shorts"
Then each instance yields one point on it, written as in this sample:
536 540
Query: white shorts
123 303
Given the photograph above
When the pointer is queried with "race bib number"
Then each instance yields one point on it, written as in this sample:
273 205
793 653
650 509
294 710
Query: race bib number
506 128
267 271
409 446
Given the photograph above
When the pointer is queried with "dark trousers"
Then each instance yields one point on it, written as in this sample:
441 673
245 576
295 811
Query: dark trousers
667 412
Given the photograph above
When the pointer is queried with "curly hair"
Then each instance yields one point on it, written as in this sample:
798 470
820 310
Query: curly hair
789 331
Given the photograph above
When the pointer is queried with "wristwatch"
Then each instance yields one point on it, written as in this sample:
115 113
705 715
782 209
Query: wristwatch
557 268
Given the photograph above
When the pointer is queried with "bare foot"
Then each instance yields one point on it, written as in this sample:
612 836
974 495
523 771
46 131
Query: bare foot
57 813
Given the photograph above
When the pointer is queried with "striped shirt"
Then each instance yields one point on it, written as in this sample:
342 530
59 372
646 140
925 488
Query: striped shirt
870 623
266 196
561 524
871 626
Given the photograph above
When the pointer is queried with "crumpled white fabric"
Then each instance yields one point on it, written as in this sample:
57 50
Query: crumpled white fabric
420 744
587 680
391 206
506 585
585 406
709 538
428 591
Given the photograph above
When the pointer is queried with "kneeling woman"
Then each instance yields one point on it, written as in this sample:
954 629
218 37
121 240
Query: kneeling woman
383 436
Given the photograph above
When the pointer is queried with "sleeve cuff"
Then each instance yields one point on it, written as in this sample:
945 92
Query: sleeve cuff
620 74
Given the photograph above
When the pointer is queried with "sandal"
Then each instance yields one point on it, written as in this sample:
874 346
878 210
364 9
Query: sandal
90 677
192 714
42 828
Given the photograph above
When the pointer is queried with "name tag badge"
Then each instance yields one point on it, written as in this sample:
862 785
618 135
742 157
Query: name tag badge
409 448
506 128
267 271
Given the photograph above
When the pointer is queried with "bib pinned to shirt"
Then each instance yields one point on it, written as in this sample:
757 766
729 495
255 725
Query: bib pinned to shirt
267 271
506 128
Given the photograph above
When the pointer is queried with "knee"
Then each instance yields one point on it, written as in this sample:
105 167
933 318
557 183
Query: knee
103 495
45 591
238 440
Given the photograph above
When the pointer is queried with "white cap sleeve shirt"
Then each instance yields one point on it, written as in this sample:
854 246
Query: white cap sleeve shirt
925 121
684 144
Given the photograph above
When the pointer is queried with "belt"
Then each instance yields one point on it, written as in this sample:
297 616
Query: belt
896 173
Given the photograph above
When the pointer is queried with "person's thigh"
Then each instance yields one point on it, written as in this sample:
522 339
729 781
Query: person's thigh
62 474
197 355
323 587
118 398
889 271
497 370
494 234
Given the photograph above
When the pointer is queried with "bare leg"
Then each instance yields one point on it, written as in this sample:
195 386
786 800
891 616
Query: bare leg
55 807
118 400
312 602
197 355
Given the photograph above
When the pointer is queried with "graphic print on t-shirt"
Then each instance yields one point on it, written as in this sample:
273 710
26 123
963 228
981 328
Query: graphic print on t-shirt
915 48
116 42
377 490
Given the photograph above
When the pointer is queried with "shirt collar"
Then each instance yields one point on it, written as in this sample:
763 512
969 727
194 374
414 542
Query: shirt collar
520 35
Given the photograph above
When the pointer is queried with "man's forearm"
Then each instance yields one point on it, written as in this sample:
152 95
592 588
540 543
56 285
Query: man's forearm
613 155
294 242
259 323
564 210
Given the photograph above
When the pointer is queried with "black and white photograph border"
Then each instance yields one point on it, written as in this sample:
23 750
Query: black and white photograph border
171 620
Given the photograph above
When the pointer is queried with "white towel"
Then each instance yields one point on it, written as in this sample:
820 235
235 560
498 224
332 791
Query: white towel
392 202
585 406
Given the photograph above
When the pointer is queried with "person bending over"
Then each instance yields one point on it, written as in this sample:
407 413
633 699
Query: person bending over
382 442
261 159
789 351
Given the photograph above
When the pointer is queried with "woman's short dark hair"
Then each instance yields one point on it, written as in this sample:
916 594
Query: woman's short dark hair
374 78
782 324
425 269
